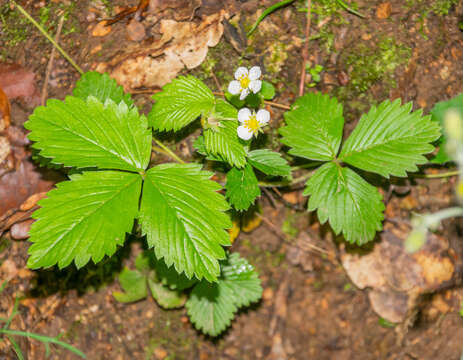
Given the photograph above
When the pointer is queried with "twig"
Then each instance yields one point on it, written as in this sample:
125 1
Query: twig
305 49
437 176
42 30
165 150
50 62
271 103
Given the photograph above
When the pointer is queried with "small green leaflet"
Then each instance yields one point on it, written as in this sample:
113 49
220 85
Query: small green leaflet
89 134
349 203
134 285
84 218
224 142
390 140
438 113
267 91
242 187
314 127
212 306
136 282
179 103
220 136
186 226
269 162
102 87
165 297
169 277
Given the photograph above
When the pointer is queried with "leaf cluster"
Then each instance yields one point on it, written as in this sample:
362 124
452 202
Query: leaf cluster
390 140
99 132
211 306
186 99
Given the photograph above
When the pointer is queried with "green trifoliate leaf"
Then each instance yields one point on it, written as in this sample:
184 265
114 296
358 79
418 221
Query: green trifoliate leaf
84 218
242 187
267 91
134 285
166 298
314 127
179 103
102 87
184 219
390 140
171 278
269 162
212 306
89 134
351 205
224 142
438 113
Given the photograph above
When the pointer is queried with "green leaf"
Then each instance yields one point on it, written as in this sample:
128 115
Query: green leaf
166 298
224 142
314 127
212 306
89 134
267 91
102 87
390 140
349 203
170 277
269 162
179 103
242 187
184 218
84 218
200 146
438 114
134 285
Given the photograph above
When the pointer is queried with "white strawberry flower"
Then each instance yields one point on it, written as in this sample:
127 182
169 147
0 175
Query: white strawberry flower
251 122
246 81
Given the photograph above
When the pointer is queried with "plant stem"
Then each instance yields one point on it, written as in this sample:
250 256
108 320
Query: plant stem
349 9
305 49
165 150
44 339
437 176
295 181
271 103
42 30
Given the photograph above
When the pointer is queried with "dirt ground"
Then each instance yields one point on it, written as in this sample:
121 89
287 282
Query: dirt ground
310 308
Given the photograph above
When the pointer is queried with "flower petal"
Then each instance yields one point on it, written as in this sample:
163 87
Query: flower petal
244 93
255 73
234 87
255 86
263 116
244 114
240 72
244 133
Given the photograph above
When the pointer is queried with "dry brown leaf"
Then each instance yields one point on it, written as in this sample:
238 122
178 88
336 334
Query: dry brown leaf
183 44
397 279
17 81
4 111
383 11
101 29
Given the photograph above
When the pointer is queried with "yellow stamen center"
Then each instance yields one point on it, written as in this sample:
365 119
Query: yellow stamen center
244 81
252 124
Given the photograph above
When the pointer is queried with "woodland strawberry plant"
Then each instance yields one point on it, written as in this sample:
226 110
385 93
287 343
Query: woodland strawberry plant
112 190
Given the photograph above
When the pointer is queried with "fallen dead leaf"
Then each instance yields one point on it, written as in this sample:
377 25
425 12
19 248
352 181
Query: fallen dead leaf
183 44
135 31
101 29
4 111
396 279
20 231
383 11
17 81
